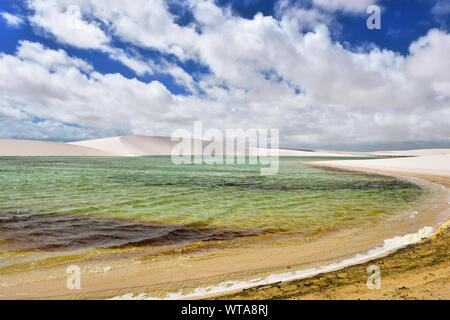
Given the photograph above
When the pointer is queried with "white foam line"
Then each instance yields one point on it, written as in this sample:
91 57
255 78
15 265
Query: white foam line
415 213
389 245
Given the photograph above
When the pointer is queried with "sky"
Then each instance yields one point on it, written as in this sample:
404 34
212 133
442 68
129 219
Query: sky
83 69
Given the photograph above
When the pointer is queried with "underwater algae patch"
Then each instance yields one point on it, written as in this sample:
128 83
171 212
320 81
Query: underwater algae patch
58 231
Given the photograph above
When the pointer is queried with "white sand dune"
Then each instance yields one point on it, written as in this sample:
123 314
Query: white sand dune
438 165
135 146
412 153
312 153
127 146
30 148
132 146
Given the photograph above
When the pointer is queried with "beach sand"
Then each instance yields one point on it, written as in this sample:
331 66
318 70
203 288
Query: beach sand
30 148
417 271
431 165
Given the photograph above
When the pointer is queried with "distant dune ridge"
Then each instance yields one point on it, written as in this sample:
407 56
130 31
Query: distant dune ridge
138 146
29 148
412 153
132 146
135 146
125 146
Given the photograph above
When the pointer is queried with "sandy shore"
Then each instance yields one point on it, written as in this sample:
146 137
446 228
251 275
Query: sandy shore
417 271
429 165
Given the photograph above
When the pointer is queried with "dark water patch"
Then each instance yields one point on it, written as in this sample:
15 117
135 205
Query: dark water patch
60 231
257 182
334 186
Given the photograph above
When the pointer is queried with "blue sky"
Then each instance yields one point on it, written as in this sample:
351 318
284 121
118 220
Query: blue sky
311 68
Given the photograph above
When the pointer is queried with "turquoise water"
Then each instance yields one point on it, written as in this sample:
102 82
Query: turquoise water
150 197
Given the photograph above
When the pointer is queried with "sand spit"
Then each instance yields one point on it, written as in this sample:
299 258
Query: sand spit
436 165
411 153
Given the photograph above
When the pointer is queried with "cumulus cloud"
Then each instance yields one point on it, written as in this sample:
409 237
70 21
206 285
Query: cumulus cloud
56 89
12 20
135 63
67 24
146 25
344 5
427 60
264 72
441 7
50 59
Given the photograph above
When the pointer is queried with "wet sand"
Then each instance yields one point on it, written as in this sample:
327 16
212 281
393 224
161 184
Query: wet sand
418 271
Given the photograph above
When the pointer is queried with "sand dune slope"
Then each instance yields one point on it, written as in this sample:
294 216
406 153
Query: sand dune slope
126 146
438 165
300 153
29 148
412 153
131 146
135 146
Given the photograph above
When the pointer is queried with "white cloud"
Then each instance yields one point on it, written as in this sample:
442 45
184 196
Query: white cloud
9 111
428 60
344 5
49 130
12 20
286 73
135 63
50 59
441 7
144 23
66 23
300 18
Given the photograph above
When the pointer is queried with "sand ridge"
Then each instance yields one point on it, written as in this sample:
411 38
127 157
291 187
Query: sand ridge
131 146
436 165
30 148
137 146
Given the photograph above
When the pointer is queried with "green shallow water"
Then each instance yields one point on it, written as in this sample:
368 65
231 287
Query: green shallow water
152 189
